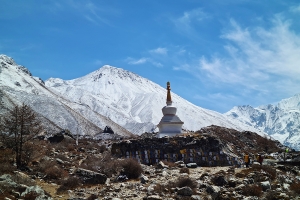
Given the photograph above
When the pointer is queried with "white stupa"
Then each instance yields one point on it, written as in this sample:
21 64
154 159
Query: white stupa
170 124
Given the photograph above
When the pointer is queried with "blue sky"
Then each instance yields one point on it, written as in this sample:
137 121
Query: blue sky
216 54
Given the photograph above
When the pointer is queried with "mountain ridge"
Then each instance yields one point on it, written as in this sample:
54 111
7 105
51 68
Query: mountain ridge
281 121
132 104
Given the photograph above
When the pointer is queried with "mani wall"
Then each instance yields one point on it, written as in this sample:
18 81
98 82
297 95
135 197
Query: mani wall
203 150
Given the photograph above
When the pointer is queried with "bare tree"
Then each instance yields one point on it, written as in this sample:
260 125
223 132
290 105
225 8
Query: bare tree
18 127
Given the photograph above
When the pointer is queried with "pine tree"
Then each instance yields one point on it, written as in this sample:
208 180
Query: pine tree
18 127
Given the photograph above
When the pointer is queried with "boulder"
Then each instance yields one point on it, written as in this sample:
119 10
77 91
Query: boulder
213 190
37 191
192 165
185 191
265 185
59 161
56 138
91 177
232 182
219 180
196 197
7 182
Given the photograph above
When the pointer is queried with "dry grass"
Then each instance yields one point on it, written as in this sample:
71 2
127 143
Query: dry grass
184 170
169 164
6 161
252 190
54 172
270 171
295 187
181 182
68 184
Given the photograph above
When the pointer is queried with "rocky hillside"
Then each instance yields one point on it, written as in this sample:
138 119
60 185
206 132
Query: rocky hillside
65 170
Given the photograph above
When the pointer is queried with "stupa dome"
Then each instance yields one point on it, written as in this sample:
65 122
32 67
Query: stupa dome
170 124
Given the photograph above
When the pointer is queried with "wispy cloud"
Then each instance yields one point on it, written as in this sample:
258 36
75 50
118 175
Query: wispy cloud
258 60
189 19
93 15
133 61
295 9
159 50
143 60
98 62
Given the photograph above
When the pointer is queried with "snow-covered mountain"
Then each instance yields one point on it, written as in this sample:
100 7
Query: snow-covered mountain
17 86
281 121
132 101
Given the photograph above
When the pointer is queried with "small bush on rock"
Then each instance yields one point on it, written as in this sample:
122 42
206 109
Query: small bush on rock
131 168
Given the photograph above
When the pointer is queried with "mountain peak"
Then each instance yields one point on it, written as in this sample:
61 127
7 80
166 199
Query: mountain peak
7 59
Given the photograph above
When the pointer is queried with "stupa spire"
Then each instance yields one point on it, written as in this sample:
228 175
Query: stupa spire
169 99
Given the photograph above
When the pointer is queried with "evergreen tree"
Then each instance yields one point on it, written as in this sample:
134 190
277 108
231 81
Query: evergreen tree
18 127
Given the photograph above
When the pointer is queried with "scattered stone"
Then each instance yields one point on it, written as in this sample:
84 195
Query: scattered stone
164 174
185 191
59 161
196 197
181 165
265 185
162 165
153 197
144 179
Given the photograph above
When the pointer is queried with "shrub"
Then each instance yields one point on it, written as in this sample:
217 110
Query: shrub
271 195
6 161
31 196
182 182
295 187
132 169
185 170
107 164
252 190
271 172
92 197
54 172
102 148
68 184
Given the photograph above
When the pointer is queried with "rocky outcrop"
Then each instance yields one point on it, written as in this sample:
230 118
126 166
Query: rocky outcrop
91 177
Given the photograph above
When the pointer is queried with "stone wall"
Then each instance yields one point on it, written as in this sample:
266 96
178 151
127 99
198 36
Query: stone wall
203 150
